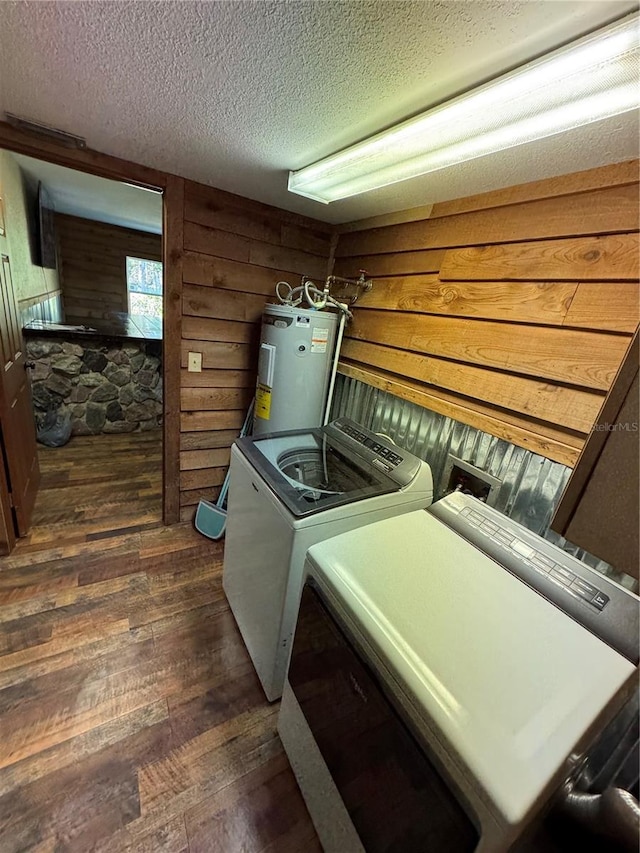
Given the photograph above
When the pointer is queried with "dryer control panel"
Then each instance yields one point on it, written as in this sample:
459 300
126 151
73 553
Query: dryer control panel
602 606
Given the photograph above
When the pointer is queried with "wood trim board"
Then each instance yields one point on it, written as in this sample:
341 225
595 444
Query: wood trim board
173 206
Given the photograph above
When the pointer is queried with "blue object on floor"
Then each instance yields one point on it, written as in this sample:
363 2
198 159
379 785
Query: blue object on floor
211 518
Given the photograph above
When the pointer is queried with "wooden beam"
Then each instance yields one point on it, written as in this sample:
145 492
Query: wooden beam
83 160
173 206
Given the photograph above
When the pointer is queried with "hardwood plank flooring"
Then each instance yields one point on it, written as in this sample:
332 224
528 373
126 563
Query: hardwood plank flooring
130 715
95 486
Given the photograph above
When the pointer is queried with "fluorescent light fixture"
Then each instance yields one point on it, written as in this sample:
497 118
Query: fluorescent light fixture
594 78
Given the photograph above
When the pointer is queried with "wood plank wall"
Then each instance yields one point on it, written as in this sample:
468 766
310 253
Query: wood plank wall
234 252
92 262
510 311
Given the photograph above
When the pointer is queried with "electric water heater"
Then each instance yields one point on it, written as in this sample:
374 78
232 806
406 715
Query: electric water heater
296 353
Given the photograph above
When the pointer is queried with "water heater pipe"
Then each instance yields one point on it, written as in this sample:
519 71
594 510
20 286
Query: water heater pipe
334 370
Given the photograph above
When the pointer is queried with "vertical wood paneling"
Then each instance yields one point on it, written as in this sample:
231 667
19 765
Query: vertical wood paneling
235 250
520 302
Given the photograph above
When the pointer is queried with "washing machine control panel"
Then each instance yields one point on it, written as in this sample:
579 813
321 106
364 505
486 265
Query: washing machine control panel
383 454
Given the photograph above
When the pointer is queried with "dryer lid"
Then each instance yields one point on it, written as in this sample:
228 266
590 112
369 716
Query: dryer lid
502 676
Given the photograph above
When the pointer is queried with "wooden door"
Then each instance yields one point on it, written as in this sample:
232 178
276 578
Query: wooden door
16 412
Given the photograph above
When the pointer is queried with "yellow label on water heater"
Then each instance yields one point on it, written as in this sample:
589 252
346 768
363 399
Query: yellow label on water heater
263 401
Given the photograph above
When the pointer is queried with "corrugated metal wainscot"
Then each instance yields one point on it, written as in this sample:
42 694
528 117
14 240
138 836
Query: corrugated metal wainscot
531 484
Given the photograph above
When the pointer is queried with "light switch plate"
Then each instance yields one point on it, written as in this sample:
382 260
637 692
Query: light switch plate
194 363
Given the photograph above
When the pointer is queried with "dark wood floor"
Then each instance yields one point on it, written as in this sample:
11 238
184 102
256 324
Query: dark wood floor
95 486
130 715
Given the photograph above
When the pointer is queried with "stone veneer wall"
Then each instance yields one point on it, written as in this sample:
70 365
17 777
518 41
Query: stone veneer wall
106 386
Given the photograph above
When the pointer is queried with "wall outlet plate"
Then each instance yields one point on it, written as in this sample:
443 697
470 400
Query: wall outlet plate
194 362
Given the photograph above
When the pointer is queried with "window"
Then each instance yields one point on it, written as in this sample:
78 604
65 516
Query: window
144 287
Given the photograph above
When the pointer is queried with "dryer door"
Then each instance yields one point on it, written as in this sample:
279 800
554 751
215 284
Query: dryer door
396 799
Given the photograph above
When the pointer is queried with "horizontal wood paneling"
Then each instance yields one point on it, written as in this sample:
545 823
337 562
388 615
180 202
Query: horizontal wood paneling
201 479
220 199
614 307
575 407
235 250
206 439
261 223
404 263
211 329
569 356
219 354
617 174
613 257
231 275
203 399
190 498
597 212
524 302
191 460
93 264
611 306
210 421
510 311
218 379
222 304
212 241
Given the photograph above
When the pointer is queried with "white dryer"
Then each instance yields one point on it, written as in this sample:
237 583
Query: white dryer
450 672
288 491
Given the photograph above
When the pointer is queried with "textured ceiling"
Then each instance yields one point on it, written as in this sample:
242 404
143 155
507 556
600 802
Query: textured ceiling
234 94
80 194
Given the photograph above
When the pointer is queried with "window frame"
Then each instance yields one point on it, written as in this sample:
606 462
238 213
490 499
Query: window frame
159 296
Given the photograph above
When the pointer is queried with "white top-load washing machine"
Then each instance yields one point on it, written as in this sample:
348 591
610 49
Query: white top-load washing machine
288 491
449 669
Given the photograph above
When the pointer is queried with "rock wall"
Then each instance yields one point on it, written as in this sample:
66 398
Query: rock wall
105 386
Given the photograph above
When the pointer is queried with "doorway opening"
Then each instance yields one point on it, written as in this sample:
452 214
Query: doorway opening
87 287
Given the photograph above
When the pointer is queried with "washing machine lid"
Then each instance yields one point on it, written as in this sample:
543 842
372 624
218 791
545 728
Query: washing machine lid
312 470
502 677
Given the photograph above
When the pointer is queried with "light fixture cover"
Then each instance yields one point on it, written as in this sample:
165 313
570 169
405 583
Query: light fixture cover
594 78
